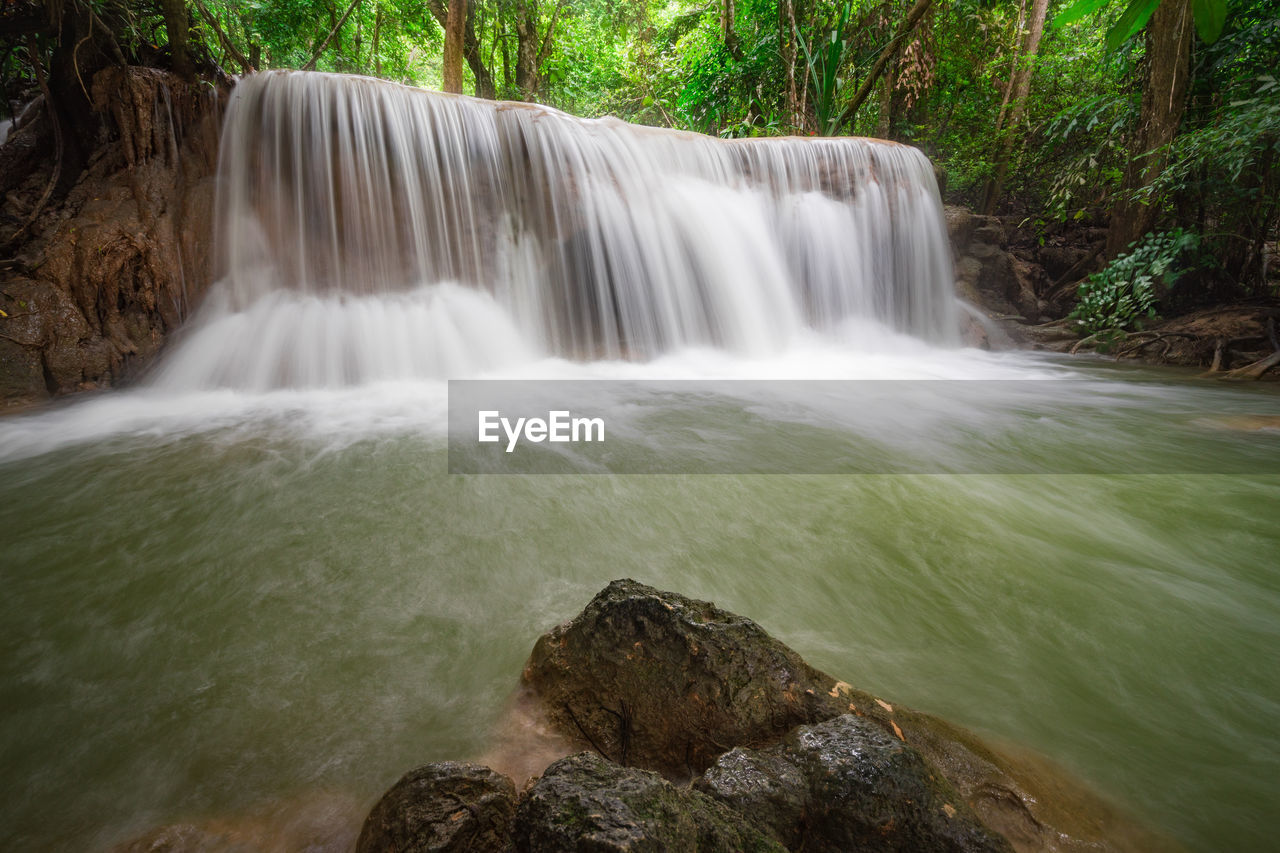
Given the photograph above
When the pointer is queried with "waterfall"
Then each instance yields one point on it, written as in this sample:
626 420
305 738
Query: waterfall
367 230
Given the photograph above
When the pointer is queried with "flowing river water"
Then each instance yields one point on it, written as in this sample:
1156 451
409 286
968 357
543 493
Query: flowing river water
252 578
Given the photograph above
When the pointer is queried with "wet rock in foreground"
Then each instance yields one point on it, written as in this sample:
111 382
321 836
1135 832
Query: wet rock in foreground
668 683
442 807
584 802
845 785
656 680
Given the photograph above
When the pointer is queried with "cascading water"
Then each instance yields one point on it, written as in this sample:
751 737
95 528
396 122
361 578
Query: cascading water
370 231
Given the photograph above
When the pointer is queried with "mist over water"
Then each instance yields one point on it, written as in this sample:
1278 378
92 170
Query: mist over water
251 579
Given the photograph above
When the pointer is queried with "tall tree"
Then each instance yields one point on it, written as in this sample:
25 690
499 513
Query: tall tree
1164 99
1017 95
470 47
454 35
176 24
786 38
728 19
527 47
884 123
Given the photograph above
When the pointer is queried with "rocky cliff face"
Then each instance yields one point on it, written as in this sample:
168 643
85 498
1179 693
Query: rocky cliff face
91 286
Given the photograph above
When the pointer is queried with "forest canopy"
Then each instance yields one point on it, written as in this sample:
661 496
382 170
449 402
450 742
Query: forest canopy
1157 119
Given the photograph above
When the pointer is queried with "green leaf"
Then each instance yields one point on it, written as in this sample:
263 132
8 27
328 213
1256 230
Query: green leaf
1210 16
1077 10
1135 17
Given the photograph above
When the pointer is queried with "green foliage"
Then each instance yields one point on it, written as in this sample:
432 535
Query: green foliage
823 62
787 66
1221 175
738 90
1210 16
1132 20
976 49
1125 293
1078 11
1086 142
1220 157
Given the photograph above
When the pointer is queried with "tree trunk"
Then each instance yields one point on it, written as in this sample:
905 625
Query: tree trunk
885 122
787 40
1012 82
454 35
1164 99
470 47
377 31
176 25
728 16
1021 88
475 59
527 49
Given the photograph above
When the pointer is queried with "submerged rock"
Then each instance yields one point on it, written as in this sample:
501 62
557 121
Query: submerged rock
442 807
846 785
587 803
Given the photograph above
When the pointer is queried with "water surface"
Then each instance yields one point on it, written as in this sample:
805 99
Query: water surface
220 599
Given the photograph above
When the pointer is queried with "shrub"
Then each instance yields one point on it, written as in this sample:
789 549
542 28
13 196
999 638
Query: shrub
1125 293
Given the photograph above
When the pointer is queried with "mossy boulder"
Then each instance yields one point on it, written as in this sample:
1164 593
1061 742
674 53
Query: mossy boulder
847 785
442 807
584 802
668 683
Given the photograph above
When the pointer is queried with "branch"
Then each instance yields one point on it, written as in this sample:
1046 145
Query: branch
1077 267
1219 347
438 11
1092 339
545 50
311 63
890 51
226 42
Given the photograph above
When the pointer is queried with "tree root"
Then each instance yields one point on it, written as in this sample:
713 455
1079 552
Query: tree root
1255 370
1151 338
1092 339
1251 371
1134 342
1219 346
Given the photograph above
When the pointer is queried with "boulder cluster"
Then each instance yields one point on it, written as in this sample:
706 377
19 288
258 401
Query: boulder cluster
699 731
